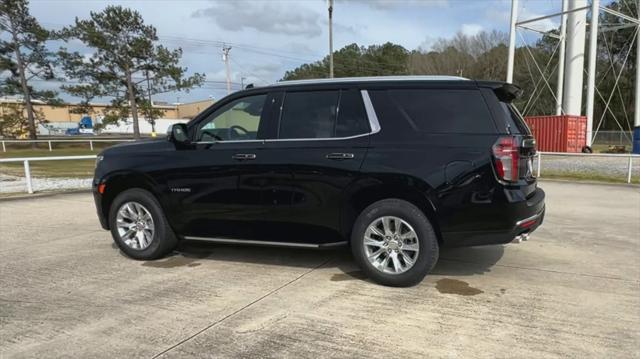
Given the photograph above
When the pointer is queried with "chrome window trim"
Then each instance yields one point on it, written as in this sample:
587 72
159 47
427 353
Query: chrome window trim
371 112
371 116
229 141
317 138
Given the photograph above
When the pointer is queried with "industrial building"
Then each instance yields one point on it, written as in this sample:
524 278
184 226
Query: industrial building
59 118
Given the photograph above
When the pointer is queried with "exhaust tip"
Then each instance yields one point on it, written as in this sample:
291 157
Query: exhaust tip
520 238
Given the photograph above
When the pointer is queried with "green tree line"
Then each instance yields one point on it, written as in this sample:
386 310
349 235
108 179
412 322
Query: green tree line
484 57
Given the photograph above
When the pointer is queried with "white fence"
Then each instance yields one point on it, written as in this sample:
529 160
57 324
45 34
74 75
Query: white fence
50 142
29 184
27 168
628 156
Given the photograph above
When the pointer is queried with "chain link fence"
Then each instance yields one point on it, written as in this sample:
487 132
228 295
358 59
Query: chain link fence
623 138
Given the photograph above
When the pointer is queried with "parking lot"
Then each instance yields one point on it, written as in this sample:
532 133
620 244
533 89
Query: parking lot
572 290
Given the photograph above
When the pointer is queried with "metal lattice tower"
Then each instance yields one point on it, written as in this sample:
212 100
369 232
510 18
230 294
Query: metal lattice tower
568 94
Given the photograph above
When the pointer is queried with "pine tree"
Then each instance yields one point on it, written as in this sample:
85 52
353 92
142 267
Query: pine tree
24 56
125 50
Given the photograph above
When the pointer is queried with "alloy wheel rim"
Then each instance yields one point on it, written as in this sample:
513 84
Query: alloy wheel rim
391 245
135 225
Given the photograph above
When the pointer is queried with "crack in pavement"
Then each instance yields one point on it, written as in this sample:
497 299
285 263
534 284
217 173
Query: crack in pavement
241 309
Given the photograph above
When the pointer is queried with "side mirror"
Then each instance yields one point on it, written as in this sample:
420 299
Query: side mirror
177 133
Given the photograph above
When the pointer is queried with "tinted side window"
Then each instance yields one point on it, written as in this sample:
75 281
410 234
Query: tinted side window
443 111
237 120
392 121
514 119
309 114
352 117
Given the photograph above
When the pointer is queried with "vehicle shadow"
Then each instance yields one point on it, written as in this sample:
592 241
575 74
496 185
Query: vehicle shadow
452 261
468 260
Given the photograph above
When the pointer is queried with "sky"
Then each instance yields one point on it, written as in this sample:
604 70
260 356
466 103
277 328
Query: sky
269 37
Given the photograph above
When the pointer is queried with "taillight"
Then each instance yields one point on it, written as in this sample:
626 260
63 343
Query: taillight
507 157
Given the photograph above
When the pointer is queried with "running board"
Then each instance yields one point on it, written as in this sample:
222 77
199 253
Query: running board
265 243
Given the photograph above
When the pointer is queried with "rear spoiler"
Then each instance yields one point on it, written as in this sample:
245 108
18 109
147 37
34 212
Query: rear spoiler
505 92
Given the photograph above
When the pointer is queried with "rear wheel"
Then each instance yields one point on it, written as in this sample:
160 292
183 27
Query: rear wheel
139 227
394 243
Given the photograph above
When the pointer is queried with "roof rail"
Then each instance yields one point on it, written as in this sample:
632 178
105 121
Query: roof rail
371 79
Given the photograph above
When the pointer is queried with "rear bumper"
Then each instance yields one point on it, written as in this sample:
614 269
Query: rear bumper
525 216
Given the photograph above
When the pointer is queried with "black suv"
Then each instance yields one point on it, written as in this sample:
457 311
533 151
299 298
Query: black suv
395 167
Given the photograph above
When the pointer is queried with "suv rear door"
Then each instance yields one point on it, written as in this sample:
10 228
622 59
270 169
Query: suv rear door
442 134
323 136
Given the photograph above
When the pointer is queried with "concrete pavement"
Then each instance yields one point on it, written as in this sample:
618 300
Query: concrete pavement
573 290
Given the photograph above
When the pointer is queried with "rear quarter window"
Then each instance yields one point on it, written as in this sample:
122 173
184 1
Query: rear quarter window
514 120
442 110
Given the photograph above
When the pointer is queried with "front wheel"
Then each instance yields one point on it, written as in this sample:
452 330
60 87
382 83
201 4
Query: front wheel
394 243
139 227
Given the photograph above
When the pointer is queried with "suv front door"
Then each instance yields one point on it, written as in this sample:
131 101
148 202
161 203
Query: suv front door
212 195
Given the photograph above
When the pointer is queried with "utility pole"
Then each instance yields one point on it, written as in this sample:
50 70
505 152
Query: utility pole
225 58
512 40
591 79
242 82
563 45
330 2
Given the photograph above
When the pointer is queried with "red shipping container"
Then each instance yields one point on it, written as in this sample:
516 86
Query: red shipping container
559 133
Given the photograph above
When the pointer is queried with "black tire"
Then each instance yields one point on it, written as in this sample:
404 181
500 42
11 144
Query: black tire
163 239
428 242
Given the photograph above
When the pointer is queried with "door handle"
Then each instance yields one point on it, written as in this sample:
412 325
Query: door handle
244 156
340 156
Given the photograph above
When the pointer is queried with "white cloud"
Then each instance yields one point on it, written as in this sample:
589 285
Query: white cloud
471 29
390 4
541 25
264 16
502 16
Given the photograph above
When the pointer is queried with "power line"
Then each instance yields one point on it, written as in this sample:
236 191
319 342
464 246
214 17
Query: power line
76 82
218 43
379 67
249 73
196 46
